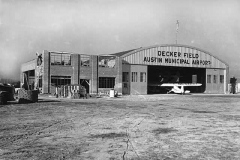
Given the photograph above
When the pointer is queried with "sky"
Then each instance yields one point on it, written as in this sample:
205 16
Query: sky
110 26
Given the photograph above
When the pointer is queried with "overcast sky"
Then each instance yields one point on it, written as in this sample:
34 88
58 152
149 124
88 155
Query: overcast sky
109 26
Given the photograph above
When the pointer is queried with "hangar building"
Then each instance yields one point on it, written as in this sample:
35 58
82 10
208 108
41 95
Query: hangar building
137 71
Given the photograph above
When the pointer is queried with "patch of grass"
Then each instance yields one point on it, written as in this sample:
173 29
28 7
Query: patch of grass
163 131
109 135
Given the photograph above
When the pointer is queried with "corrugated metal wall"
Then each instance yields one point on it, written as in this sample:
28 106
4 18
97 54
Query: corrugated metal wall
181 56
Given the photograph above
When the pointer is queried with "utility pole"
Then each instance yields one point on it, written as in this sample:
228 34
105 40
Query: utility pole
177 29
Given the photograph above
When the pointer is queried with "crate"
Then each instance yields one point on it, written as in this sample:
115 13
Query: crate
27 95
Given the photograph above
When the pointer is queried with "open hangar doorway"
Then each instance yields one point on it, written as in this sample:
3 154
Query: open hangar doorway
158 75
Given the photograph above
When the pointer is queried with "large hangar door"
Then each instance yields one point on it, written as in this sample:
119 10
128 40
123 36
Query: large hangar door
158 75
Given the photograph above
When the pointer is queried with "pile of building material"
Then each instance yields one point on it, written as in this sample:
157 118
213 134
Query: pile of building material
27 96
71 91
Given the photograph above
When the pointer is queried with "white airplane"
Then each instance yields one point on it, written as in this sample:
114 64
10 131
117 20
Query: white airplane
172 81
176 86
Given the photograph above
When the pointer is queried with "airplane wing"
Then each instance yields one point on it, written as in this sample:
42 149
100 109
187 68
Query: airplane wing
180 84
175 84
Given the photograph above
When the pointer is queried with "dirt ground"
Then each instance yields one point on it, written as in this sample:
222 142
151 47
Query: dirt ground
145 127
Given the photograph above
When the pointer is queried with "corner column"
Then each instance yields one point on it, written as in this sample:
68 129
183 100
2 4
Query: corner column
46 72
94 76
118 80
75 66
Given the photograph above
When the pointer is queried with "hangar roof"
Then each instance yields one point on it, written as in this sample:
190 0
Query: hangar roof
119 54
172 55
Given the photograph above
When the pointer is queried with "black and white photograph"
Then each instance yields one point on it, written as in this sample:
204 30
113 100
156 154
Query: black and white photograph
119 80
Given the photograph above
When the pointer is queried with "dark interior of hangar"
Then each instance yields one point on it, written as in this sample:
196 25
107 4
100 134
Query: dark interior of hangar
158 75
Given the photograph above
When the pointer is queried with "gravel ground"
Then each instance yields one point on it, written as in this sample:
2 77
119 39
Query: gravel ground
130 127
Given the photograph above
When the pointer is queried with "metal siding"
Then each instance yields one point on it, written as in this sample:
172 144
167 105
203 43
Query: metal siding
179 50
138 57
172 49
148 55
155 52
145 53
199 53
218 63
190 59
135 58
213 61
151 52
195 52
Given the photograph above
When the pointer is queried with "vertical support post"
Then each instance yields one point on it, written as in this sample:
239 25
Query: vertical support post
75 65
94 76
177 30
46 72
176 37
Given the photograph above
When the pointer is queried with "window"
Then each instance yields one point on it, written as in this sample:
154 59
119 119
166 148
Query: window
40 82
209 79
60 59
85 60
221 78
107 61
134 76
106 82
142 76
31 73
60 80
125 77
214 78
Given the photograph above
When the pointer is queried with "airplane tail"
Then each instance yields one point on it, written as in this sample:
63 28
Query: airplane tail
182 89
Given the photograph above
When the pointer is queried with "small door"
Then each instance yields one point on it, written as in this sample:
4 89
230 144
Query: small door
194 78
125 88
125 83
85 83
